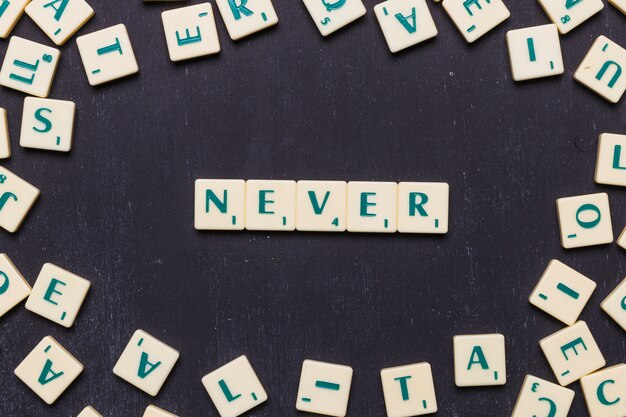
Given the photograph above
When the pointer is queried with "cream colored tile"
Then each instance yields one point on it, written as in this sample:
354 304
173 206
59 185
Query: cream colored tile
324 388
16 199
539 397
59 19
13 287
245 18
219 204
479 360
47 124
602 69
190 32
585 220
409 390
321 206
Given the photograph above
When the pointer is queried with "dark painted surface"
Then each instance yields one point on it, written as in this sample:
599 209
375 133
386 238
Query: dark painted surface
289 104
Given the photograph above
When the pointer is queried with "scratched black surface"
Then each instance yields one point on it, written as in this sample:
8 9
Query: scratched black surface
289 104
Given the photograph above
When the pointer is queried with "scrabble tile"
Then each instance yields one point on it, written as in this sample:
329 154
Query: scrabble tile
615 304
89 412
321 206
49 370
29 67
58 295
409 390
13 287
372 207
47 124
479 360
245 17
568 14
572 353
190 32
146 362
423 207
619 4
539 397
16 199
107 55
611 161
602 67
585 220
562 292
621 241
535 52
219 204
234 388
474 18
605 392
5 144
331 15
270 205
324 388
59 19
405 23
153 411
10 13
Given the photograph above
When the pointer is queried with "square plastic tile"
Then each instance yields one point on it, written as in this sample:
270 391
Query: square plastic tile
58 295
330 16
324 388
604 392
270 205
10 13
107 55
615 304
535 52
59 19
49 370
234 388
619 5
474 18
16 199
479 360
568 14
146 362
47 124
405 23
562 292
5 143
13 287
540 397
372 207
153 411
321 206
220 204
423 207
611 161
190 32
602 69
29 67
409 390
243 18
89 412
585 220
572 353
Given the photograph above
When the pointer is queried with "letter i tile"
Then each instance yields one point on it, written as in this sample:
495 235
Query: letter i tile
49 370
146 362
58 295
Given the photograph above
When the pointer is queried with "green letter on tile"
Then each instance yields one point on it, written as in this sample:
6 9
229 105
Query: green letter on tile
365 204
47 369
145 367
572 345
5 283
229 396
404 21
59 10
263 202
415 206
480 358
403 387
617 154
317 209
47 124
591 224
240 9
221 205
51 290
602 397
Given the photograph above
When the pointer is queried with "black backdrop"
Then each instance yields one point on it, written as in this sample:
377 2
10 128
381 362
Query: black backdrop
289 104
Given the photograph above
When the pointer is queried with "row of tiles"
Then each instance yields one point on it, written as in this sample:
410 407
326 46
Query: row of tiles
191 32
146 362
479 360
